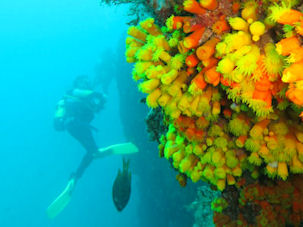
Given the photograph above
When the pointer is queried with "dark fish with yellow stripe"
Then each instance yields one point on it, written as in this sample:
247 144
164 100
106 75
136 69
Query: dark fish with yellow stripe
122 187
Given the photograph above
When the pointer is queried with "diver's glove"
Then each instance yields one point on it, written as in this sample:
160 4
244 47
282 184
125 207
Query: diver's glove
99 100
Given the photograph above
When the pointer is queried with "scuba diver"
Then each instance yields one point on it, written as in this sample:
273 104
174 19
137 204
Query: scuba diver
74 113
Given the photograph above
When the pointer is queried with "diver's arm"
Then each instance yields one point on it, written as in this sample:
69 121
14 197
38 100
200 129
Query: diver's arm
81 93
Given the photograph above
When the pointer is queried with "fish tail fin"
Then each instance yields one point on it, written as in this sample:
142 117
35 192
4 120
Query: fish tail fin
125 164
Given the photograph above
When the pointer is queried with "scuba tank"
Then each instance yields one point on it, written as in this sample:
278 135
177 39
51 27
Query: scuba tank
59 117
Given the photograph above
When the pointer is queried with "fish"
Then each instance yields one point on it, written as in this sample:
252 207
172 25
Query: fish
122 187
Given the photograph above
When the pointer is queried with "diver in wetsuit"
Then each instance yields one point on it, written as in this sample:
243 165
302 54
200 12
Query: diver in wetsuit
75 111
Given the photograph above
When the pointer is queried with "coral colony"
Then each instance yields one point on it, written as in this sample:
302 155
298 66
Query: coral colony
228 77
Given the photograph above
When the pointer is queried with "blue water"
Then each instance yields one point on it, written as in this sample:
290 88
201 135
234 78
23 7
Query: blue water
44 45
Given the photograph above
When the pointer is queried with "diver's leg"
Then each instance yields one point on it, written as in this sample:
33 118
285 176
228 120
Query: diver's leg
83 134
85 162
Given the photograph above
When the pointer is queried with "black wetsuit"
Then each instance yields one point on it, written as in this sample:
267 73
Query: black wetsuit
79 114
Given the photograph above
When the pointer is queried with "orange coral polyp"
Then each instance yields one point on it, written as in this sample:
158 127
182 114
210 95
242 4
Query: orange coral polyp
299 27
193 6
199 134
191 60
208 63
220 26
209 4
297 55
287 45
263 84
295 95
293 73
290 17
207 49
188 27
212 76
193 39
263 95
241 141
235 7
178 21
199 81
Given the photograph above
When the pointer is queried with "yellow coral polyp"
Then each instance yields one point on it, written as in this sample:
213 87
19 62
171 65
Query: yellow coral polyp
247 64
225 66
150 27
235 41
187 163
178 156
218 159
231 161
237 171
255 159
149 85
164 99
141 67
130 41
197 150
169 77
230 179
252 145
137 33
195 176
238 127
221 142
257 29
238 23
171 109
249 12
131 51
220 173
144 54
296 165
177 61
161 42
282 170
208 172
152 98
170 149
273 62
161 54
184 102
221 184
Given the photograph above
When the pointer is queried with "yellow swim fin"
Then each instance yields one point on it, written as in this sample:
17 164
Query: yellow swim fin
122 148
61 201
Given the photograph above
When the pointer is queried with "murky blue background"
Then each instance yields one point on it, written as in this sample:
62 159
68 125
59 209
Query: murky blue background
44 45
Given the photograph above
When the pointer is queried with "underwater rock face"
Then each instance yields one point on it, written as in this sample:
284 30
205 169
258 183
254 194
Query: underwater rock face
201 207
157 172
227 77
155 125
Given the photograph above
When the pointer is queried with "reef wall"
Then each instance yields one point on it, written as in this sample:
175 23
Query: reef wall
227 75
